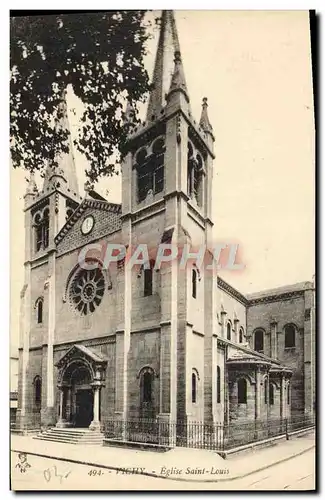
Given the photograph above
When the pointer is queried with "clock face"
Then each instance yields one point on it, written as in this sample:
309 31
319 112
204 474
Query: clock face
87 225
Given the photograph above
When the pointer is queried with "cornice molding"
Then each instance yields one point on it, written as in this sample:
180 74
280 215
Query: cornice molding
275 297
86 203
87 343
223 285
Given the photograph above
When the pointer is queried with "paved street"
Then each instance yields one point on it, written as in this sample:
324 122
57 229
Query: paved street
46 474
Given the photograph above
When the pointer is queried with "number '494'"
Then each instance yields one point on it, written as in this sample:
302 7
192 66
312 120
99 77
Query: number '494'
94 472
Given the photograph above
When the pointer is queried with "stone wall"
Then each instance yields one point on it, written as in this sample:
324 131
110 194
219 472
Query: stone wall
144 352
291 311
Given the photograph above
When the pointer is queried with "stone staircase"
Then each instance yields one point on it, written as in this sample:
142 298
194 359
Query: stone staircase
72 436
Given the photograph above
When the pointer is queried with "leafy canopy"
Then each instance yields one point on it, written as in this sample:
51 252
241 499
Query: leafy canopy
101 56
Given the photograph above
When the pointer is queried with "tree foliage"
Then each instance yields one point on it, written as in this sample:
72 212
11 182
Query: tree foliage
101 56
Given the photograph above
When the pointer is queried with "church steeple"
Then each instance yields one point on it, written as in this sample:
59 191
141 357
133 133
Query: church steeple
204 120
64 173
31 190
168 45
169 152
178 83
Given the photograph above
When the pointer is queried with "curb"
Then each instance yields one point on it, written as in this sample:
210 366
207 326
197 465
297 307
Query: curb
179 479
257 445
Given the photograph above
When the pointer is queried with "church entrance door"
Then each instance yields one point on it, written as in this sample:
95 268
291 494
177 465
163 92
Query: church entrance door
84 407
80 381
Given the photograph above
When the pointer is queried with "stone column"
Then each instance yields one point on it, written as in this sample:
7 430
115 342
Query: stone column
210 344
258 393
309 351
258 401
95 424
223 315
48 413
123 332
68 404
24 410
226 386
268 409
61 422
168 323
274 340
236 322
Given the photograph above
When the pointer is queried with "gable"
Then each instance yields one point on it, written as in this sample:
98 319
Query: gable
79 352
106 220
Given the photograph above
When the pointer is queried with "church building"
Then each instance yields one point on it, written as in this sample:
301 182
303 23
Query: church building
169 345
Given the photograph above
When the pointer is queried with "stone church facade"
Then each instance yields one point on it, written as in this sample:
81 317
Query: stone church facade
171 344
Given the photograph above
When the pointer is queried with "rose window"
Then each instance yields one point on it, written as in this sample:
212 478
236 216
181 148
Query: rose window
87 290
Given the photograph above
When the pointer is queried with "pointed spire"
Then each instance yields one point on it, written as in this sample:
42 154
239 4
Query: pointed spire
168 44
66 168
178 82
129 112
87 189
204 120
129 117
31 188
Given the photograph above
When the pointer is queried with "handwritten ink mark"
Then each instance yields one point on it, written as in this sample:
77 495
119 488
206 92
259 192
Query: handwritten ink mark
53 471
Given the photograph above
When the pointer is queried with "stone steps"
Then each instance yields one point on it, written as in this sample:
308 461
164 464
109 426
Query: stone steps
72 436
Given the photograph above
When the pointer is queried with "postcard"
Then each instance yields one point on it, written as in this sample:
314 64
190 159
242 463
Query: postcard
163 250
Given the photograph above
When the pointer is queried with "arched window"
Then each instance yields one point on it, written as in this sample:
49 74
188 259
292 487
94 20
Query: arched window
39 307
146 386
241 335
41 224
218 384
288 393
265 390
194 175
271 393
148 279
289 336
259 341
194 387
147 282
242 391
150 169
46 226
37 390
229 330
194 283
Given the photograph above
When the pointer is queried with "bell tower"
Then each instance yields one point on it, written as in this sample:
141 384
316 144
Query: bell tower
167 177
45 213
169 153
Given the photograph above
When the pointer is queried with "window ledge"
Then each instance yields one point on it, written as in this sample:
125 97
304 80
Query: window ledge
195 206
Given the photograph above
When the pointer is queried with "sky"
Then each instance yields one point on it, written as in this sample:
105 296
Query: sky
255 69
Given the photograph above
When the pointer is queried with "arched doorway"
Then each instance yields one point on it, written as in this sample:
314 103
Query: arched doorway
77 399
82 398
80 379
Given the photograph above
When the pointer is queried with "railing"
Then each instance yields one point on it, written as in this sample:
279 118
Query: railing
200 435
298 423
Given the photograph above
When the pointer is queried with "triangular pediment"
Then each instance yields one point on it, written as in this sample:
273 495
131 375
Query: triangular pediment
106 219
78 352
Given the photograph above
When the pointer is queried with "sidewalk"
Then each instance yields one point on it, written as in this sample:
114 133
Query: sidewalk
178 464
